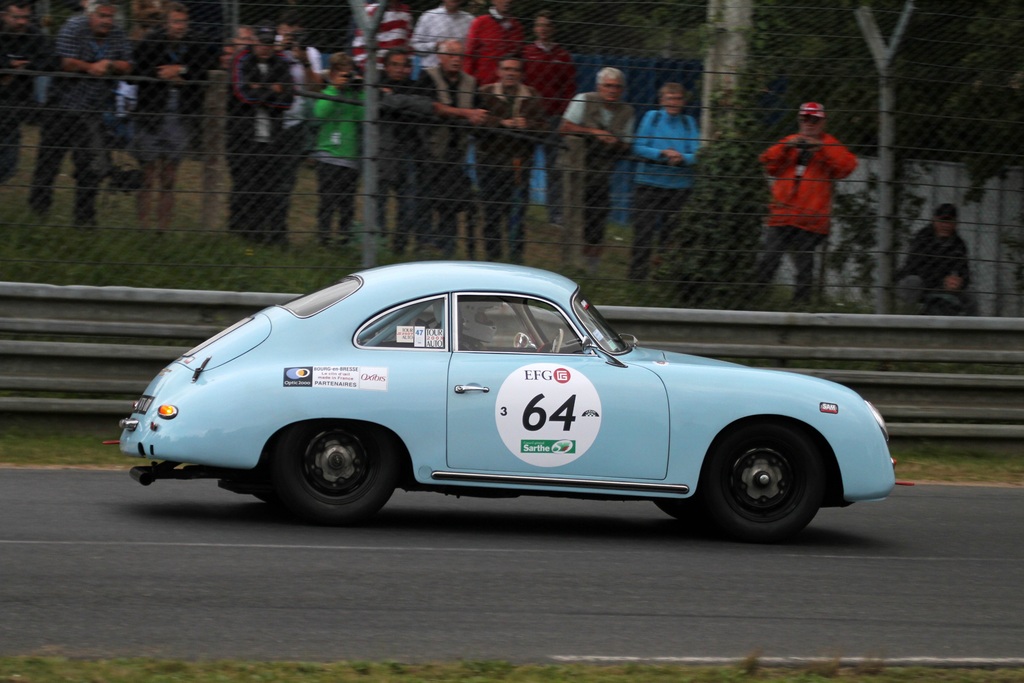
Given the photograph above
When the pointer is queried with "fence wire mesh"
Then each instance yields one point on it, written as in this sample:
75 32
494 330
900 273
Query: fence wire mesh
655 149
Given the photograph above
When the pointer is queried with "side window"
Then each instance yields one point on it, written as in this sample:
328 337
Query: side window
554 335
418 325
490 322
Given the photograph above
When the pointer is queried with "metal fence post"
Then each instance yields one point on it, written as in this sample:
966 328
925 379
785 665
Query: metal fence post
214 116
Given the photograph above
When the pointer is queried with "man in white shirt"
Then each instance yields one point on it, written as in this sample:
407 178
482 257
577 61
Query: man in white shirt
445 22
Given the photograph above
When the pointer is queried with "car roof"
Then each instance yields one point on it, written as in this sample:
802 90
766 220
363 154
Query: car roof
409 280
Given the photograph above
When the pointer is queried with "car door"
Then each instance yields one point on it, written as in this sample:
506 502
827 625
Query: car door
536 410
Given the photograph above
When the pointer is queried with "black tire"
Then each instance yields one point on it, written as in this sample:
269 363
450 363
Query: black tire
763 483
330 473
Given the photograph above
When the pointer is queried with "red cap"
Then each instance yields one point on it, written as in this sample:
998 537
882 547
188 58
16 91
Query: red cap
812 109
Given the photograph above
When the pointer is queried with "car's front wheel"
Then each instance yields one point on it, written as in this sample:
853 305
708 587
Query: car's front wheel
332 473
764 482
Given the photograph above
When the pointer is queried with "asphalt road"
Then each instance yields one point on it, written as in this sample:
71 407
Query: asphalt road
92 564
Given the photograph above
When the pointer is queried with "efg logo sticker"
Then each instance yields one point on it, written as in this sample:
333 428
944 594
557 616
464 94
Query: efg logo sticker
830 408
298 377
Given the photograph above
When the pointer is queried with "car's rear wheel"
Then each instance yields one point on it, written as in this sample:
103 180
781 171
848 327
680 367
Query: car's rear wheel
332 473
764 482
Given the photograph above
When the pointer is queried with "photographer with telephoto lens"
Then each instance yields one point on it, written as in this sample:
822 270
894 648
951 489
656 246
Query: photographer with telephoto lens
803 167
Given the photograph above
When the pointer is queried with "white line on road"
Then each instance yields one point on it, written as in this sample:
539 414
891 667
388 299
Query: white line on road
941 662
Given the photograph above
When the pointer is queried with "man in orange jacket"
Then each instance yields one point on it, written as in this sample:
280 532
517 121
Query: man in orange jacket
803 167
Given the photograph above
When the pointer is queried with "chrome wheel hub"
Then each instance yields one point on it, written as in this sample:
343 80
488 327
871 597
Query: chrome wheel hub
337 461
761 478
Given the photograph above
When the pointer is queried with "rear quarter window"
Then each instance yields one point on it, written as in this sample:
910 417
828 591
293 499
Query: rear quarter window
311 304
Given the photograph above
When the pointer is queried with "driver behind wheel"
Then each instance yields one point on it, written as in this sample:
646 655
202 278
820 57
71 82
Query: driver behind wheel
476 329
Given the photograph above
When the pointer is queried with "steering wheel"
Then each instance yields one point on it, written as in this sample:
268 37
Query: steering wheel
556 344
522 341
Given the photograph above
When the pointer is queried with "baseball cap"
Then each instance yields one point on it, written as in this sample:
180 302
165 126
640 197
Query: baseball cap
266 35
946 212
812 109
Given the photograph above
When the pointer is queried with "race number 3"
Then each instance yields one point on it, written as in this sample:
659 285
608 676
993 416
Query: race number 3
547 415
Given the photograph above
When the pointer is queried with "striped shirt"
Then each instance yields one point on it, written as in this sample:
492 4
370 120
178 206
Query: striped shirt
76 41
395 30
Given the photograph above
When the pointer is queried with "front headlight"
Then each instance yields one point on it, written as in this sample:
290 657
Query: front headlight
879 419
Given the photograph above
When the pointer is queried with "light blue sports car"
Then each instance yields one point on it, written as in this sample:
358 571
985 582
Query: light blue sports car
496 380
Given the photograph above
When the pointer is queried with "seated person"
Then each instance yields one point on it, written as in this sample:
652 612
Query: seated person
476 329
936 273
528 326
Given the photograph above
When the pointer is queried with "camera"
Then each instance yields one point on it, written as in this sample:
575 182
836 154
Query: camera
293 40
804 152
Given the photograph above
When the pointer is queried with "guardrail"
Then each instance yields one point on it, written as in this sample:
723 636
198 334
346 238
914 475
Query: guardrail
88 351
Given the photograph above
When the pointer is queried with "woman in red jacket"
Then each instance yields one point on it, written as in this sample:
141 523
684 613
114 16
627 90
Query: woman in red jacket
803 167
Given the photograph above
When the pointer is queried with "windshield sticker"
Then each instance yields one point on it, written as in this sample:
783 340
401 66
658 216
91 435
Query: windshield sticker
547 415
420 337
429 338
337 377
405 334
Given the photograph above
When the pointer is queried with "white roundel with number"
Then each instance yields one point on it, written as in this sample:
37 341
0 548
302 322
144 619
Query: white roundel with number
547 414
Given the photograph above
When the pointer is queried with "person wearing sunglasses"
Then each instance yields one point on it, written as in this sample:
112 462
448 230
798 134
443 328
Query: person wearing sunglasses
803 167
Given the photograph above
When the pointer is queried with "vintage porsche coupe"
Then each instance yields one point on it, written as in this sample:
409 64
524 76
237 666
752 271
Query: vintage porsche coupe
496 380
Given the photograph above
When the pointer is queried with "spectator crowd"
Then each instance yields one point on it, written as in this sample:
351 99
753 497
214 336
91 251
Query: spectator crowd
468 106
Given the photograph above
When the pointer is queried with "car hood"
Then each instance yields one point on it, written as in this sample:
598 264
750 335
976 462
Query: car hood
226 346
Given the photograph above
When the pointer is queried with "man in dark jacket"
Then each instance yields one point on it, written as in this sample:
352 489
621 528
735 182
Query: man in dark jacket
169 55
261 91
937 270
406 111
23 47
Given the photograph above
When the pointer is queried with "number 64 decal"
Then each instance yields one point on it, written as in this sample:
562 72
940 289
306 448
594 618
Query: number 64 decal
534 417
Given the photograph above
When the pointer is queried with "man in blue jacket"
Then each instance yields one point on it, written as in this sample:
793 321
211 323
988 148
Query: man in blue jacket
668 141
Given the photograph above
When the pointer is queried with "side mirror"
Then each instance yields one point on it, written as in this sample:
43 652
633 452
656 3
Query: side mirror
630 340
592 349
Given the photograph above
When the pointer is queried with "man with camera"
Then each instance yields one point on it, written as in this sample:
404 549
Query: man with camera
803 167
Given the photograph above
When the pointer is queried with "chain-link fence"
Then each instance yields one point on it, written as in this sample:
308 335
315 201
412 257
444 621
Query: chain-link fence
656 150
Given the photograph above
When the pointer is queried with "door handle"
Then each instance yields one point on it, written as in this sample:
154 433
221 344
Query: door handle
463 388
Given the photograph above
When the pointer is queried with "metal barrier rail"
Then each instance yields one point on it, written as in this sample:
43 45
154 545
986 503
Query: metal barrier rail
66 349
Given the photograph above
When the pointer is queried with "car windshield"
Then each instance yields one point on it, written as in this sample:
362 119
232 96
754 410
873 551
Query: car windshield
311 304
597 327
